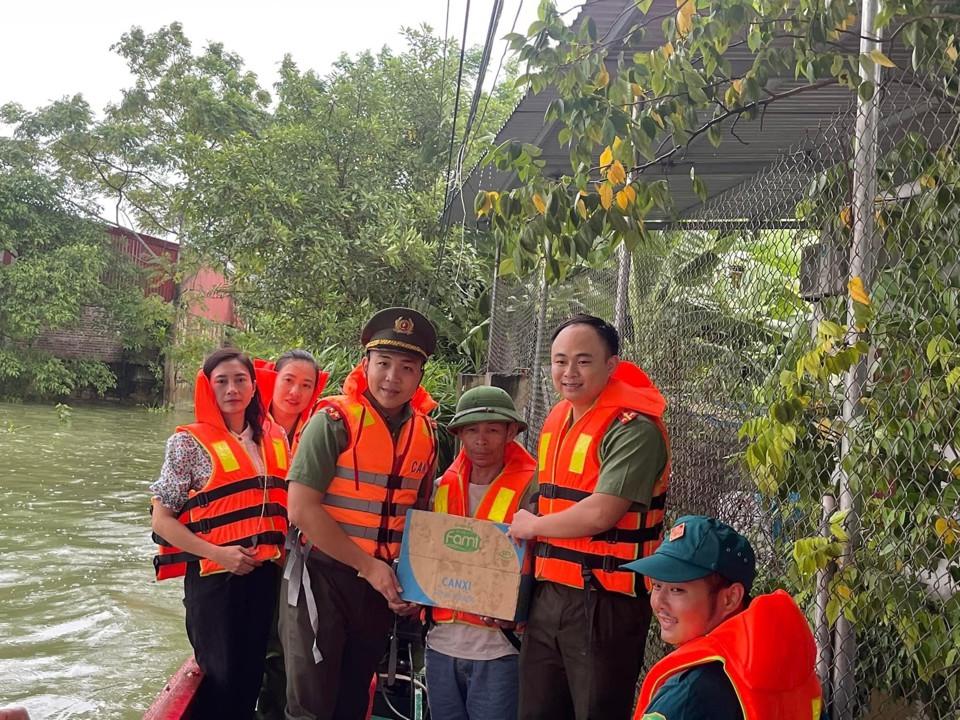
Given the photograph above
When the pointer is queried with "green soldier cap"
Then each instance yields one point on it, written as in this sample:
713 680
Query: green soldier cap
400 329
697 546
485 404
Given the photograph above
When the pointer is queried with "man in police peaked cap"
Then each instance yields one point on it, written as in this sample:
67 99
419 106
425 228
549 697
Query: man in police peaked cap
366 457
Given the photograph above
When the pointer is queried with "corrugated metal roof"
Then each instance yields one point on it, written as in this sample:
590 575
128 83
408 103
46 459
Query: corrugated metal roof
785 123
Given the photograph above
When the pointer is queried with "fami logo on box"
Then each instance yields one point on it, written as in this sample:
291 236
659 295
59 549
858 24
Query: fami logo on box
462 540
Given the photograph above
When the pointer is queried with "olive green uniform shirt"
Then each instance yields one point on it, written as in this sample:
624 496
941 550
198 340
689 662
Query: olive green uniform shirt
633 456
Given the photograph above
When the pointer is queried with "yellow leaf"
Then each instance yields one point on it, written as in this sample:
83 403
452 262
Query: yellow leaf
637 90
539 204
606 157
487 205
616 143
616 174
656 118
880 59
880 220
843 590
631 193
606 195
928 182
941 526
582 208
952 53
855 286
603 78
846 216
667 51
622 200
687 9
736 84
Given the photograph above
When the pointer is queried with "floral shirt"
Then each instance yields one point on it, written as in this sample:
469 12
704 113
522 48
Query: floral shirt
187 466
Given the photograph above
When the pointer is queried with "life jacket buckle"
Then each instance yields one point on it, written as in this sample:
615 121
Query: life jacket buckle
611 563
202 499
611 536
205 525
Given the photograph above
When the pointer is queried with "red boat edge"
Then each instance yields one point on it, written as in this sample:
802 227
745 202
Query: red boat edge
175 700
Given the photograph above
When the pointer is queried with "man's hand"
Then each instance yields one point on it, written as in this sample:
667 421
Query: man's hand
523 526
382 578
495 622
406 609
236 559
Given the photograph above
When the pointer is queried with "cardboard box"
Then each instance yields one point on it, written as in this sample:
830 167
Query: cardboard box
464 564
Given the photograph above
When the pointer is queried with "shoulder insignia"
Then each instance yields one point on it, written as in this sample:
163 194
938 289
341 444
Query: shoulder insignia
627 415
653 716
333 412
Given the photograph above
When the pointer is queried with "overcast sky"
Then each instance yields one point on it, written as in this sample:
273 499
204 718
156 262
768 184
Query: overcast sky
53 48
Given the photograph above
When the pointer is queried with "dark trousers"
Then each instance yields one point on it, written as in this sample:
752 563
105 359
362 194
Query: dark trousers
228 623
273 690
581 660
354 630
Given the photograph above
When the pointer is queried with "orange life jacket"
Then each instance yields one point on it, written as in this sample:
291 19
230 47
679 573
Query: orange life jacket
267 381
499 504
767 651
378 479
569 463
238 505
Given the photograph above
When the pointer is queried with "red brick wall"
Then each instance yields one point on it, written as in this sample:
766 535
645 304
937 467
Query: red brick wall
94 339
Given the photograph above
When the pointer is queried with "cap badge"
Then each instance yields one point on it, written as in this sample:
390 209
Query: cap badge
403 325
676 532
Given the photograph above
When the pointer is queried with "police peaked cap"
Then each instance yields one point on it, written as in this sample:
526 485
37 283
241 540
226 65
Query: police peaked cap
400 329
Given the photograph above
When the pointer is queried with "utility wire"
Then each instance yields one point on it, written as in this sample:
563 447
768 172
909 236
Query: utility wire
453 138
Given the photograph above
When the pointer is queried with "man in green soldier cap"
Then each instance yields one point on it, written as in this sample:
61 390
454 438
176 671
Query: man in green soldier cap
364 459
736 658
472 663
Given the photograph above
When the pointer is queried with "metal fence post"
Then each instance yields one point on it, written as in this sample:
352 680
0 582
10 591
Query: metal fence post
622 302
822 630
534 405
861 265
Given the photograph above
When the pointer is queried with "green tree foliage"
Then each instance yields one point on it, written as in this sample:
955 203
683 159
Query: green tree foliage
57 256
320 205
625 111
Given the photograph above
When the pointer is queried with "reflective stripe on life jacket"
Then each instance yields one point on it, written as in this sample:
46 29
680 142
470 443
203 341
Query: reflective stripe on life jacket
499 504
768 653
569 467
237 505
378 479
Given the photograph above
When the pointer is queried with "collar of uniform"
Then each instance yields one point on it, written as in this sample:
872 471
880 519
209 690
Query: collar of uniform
394 422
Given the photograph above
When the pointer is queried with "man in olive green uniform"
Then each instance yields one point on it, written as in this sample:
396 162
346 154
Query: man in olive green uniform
603 467
364 459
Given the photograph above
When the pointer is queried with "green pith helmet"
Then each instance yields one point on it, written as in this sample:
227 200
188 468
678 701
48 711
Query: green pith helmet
485 404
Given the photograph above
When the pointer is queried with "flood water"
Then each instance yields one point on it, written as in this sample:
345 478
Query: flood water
85 630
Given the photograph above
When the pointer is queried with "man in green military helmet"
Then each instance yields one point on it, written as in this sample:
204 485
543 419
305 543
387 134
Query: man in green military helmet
472 662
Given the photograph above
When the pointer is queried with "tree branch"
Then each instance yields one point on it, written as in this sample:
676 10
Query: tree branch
731 113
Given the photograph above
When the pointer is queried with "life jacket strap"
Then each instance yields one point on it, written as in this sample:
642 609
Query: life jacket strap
374 507
586 561
385 480
258 482
381 535
632 537
271 537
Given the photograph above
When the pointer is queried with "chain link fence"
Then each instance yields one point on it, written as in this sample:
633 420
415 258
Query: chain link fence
785 406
